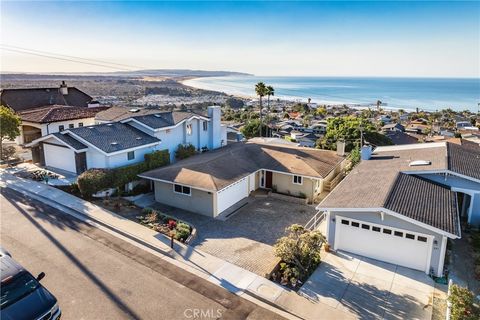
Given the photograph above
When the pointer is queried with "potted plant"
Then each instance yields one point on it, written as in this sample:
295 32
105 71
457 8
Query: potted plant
327 247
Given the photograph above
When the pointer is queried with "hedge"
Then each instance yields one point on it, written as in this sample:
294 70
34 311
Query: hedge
94 180
184 151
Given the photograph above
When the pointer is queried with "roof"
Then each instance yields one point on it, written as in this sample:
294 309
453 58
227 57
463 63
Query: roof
55 113
400 138
146 116
370 184
72 142
29 98
214 171
112 137
408 197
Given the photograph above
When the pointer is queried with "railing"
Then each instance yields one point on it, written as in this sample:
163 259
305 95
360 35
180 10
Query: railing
316 220
336 180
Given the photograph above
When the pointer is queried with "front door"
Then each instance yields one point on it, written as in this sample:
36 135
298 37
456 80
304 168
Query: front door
81 162
268 179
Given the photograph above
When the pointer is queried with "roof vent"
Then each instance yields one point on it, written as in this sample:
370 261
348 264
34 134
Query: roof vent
138 138
134 110
90 127
114 143
109 124
158 115
419 163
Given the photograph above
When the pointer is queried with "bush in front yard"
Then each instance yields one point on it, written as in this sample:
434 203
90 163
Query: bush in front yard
94 180
463 304
300 249
182 231
184 152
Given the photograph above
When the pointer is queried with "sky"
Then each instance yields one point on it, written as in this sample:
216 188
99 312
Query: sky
340 38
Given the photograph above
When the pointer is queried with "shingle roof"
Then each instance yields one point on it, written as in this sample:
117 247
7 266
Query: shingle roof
400 138
54 113
113 137
164 119
77 145
424 201
464 159
29 98
217 169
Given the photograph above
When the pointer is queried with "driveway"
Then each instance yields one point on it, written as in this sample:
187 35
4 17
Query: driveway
370 289
246 237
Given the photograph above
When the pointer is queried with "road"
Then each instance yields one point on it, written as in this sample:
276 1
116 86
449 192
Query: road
95 275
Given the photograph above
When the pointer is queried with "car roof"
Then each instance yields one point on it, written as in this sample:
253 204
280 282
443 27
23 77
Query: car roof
9 267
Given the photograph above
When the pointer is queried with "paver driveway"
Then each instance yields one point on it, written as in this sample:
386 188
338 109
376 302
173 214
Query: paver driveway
370 289
246 237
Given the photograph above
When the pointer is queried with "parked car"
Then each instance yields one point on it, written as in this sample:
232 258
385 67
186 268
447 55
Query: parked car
21 294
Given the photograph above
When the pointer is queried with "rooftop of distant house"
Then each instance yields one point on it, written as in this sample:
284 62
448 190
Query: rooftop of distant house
56 113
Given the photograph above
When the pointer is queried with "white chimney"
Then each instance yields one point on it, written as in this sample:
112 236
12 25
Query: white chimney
215 126
94 104
64 88
341 148
366 152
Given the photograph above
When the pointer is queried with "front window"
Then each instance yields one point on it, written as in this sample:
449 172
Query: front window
177 188
297 179
71 126
189 129
61 128
131 155
80 124
205 125
17 287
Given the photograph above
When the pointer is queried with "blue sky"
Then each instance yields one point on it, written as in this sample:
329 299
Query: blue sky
438 39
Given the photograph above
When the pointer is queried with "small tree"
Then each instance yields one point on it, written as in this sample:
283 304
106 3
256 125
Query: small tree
300 248
463 306
9 123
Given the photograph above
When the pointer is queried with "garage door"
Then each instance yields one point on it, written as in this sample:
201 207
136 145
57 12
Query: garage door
397 246
232 194
59 157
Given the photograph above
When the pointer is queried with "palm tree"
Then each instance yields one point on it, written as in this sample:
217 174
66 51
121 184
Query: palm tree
270 93
261 91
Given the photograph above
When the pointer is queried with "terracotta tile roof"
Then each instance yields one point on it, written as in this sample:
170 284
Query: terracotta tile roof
56 113
424 201
215 170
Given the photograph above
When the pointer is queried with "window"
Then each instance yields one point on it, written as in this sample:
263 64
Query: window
376 229
80 124
297 179
387 231
355 224
205 125
398 233
345 222
365 226
422 239
70 126
177 188
410 236
61 128
189 129
131 155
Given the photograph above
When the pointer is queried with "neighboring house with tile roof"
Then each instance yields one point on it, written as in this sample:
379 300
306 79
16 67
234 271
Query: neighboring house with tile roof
44 120
20 99
213 182
403 203
119 143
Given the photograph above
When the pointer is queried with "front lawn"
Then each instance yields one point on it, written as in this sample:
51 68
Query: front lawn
165 224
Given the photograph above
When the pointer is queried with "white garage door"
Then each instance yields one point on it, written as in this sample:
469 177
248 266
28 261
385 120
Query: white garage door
59 157
232 194
397 246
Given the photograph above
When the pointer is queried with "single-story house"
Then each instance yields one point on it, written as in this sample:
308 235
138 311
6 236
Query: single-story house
308 140
403 203
38 122
212 182
393 127
107 145
400 138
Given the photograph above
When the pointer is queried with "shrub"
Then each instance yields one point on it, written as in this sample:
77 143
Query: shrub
7 152
300 249
184 151
157 159
462 301
94 180
151 217
182 231
172 224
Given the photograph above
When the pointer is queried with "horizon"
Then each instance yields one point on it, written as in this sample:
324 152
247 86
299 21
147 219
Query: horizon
295 39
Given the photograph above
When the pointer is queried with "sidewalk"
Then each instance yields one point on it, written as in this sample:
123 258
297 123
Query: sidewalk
231 277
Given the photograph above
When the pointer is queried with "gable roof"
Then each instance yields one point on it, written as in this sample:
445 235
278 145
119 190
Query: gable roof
424 201
464 159
215 170
55 113
112 137
165 119
29 98
72 142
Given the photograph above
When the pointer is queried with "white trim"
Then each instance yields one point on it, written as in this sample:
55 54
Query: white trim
172 182
198 117
441 260
182 193
36 141
301 180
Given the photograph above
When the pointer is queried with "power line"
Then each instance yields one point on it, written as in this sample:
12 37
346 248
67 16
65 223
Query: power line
72 57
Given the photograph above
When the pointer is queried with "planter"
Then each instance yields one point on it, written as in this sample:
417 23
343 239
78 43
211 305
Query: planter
326 247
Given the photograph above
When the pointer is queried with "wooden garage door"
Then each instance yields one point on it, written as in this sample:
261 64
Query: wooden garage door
392 245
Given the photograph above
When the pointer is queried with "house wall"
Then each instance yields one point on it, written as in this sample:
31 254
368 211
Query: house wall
199 201
96 159
284 184
375 217
171 138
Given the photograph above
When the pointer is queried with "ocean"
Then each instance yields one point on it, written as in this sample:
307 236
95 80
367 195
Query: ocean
407 93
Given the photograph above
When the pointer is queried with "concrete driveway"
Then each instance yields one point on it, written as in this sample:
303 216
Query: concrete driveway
370 289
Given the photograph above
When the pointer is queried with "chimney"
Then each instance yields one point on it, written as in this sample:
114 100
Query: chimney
64 88
366 152
94 104
341 148
215 126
